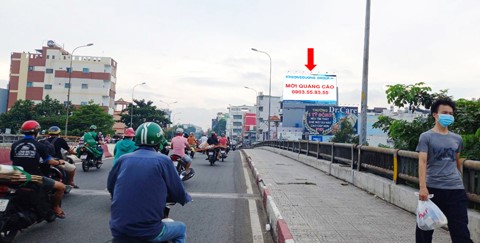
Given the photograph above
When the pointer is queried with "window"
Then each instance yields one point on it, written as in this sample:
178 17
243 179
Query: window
49 70
53 56
260 108
260 119
29 84
84 86
48 86
260 97
68 69
83 103
237 117
67 85
237 124
48 56
30 68
86 70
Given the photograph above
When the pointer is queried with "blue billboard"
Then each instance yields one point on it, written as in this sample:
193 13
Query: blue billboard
326 120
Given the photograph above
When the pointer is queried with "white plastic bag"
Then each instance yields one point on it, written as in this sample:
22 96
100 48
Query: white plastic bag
429 216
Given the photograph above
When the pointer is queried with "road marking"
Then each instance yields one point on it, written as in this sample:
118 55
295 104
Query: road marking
257 234
253 197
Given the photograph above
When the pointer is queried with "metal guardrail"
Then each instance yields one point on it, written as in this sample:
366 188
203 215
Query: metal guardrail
6 140
398 165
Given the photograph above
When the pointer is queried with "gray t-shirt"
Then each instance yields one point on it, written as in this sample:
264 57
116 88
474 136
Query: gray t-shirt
441 149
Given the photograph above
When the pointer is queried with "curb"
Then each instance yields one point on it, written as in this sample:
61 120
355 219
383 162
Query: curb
281 231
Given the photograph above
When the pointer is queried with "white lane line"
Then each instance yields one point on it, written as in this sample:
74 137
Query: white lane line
90 192
257 235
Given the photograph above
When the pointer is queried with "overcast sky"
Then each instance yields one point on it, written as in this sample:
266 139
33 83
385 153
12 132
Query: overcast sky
198 52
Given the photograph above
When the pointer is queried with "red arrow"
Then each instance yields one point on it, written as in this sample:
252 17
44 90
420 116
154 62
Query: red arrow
310 64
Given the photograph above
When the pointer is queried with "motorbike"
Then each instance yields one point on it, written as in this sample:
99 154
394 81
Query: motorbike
180 165
191 152
88 159
233 147
223 154
21 207
212 155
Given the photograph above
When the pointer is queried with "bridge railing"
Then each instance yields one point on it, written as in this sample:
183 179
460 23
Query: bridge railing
398 165
6 140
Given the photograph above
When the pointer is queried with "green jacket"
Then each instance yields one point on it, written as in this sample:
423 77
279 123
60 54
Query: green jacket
123 147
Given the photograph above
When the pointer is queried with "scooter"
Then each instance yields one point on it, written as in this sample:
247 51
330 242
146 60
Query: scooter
21 207
88 159
180 165
212 155
223 154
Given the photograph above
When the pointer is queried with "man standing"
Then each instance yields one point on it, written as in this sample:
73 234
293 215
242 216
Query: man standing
439 172
140 184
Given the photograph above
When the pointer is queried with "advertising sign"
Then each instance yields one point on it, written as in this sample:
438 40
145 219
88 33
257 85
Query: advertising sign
326 120
308 88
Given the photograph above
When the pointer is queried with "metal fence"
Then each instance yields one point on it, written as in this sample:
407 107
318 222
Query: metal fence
6 140
398 165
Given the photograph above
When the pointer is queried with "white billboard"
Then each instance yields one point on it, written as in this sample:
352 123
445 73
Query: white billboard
310 88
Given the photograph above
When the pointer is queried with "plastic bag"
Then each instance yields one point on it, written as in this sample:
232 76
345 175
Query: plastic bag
429 216
203 145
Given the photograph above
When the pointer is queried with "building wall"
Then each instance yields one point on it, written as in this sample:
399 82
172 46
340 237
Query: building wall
3 100
262 115
46 74
235 121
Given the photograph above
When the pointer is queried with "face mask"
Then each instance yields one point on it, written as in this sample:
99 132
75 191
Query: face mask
445 120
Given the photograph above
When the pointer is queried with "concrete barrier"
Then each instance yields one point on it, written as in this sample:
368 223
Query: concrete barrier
5 156
399 195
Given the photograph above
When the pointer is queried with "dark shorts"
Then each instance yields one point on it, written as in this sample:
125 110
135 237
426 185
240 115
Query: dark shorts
48 183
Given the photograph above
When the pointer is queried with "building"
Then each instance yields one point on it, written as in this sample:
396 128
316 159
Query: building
262 115
249 128
46 72
235 121
3 100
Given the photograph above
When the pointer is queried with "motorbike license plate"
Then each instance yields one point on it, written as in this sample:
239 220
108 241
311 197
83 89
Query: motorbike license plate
3 204
210 153
222 152
84 156
175 163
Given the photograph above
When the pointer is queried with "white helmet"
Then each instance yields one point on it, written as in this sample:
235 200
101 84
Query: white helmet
179 131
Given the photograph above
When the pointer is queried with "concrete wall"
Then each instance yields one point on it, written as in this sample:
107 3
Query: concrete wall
399 195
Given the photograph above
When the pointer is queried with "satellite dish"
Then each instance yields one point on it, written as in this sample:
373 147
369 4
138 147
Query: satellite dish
51 43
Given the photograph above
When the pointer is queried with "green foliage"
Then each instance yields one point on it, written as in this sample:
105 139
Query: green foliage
471 145
346 134
87 115
414 96
20 112
221 126
144 112
467 117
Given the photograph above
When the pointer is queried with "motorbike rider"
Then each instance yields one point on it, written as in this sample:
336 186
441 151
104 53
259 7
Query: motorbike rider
127 145
59 144
91 139
191 140
141 183
213 140
178 144
223 141
28 153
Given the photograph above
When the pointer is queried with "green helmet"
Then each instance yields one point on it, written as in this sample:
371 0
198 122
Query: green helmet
93 127
148 134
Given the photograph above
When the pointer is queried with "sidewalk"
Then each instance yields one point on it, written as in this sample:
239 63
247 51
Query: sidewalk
321 208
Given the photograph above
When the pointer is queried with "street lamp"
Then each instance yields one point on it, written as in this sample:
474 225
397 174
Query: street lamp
70 84
269 90
168 103
131 109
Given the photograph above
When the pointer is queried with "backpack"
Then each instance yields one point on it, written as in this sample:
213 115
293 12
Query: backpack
50 146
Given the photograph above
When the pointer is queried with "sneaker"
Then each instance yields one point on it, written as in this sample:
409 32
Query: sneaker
68 188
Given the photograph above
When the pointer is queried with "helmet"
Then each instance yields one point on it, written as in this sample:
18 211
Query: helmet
179 131
129 132
54 130
223 135
30 127
93 127
148 134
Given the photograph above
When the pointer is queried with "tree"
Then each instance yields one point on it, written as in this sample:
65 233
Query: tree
413 95
346 134
144 112
50 112
220 127
91 114
21 111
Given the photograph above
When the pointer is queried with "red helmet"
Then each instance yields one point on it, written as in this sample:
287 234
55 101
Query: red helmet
30 126
129 132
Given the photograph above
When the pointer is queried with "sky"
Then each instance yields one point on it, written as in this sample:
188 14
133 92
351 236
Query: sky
198 53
